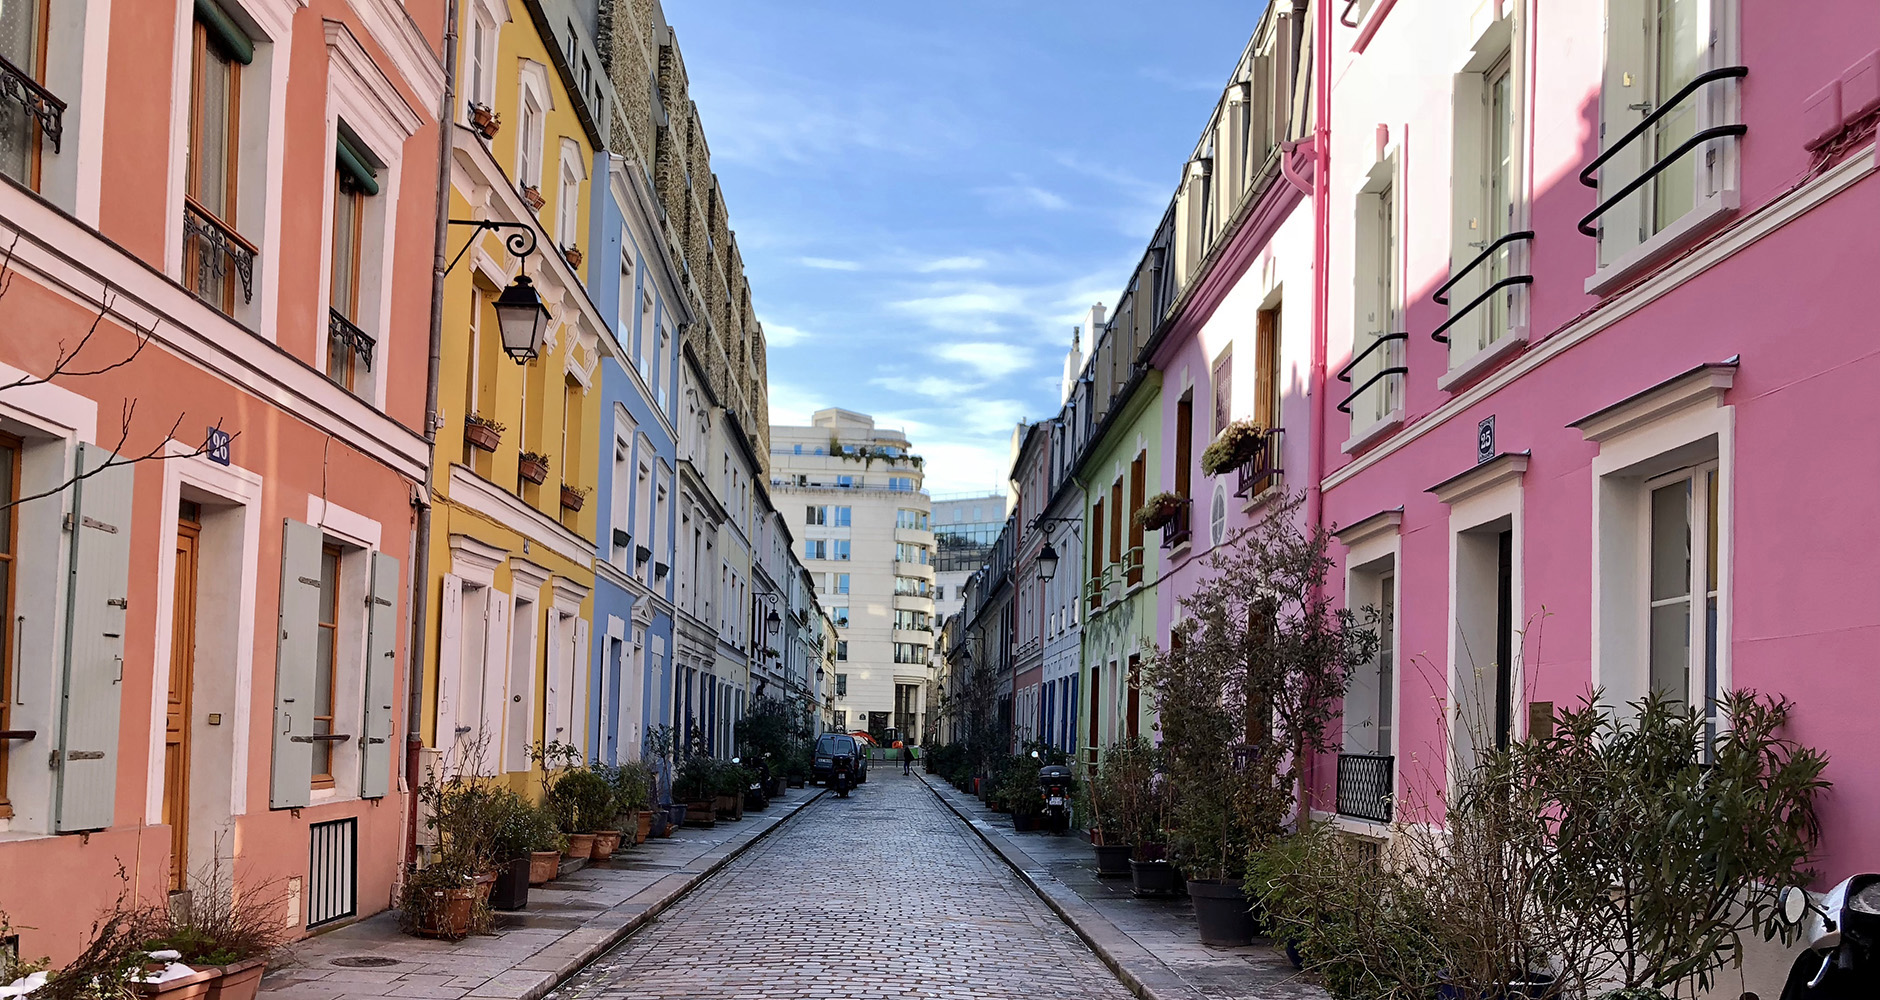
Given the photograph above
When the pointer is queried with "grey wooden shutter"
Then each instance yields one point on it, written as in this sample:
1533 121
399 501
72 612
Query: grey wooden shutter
489 731
290 782
97 598
449 665
381 672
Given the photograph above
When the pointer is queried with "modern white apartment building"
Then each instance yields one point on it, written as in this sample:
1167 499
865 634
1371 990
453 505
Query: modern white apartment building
851 495
964 527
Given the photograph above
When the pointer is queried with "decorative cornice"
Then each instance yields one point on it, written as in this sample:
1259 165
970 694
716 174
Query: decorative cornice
526 574
1384 522
1505 467
407 48
473 492
474 559
1704 384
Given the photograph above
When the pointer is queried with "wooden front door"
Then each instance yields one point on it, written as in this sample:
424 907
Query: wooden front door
182 676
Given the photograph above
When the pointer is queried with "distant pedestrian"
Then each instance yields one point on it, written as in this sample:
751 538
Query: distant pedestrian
907 760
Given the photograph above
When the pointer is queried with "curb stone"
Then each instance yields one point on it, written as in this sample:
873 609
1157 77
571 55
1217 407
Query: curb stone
1135 965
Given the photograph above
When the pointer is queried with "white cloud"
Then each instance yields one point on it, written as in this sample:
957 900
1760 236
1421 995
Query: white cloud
790 405
951 264
829 264
1023 196
969 309
989 358
780 335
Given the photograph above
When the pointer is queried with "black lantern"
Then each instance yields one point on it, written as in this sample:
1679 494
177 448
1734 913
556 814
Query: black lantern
1047 562
772 623
524 319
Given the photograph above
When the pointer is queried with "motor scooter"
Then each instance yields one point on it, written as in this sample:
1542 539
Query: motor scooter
1054 788
840 774
1840 932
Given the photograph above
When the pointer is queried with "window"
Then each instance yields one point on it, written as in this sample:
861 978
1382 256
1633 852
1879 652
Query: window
214 253
1096 555
845 482
1683 589
839 548
324 679
529 143
839 615
842 583
9 492
913 620
348 347
908 586
568 197
1137 483
904 484
912 519
622 504
816 515
907 652
1654 49
842 517
1222 382
22 42
1266 369
1377 342
1184 443
482 59
842 680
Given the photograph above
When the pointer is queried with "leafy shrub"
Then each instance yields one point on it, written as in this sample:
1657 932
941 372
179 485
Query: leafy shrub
583 800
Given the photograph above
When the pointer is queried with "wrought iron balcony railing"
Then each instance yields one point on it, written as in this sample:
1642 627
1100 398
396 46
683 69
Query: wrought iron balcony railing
210 250
342 333
1261 471
1441 298
48 111
1344 374
1177 530
1365 786
1590 176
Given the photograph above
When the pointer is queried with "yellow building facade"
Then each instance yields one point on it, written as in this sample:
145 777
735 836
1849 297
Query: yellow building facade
512 534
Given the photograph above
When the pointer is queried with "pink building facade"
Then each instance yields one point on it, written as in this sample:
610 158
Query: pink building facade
1597 275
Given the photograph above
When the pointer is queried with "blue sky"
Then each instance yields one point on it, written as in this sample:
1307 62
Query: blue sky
929 196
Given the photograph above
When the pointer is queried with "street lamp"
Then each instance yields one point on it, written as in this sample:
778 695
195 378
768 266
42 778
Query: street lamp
523 318
772 623
1047 562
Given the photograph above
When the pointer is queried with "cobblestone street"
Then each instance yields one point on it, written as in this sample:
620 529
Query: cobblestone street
882 894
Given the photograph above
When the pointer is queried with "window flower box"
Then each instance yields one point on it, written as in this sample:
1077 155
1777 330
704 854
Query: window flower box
1158 510
533 467
482 433
1236 444
573 255
532 197
573 497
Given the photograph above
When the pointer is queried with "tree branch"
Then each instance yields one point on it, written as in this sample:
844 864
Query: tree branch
117 460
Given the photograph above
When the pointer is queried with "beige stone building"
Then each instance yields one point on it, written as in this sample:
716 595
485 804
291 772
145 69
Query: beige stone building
852 496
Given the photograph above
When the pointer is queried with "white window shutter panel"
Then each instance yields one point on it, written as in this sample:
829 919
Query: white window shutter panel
381 674
495 674
97 599
580 665
449 666
519 729
290 782
554 725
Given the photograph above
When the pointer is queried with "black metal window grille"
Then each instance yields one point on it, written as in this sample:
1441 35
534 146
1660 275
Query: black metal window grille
1441 297
1364 786
1344 374
46 110
1177 530
1590 176
333 871
1261 471
344 334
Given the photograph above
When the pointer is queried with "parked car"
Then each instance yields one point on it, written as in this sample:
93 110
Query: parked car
830 744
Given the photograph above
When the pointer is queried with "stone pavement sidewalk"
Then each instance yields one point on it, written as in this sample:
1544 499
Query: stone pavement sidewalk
567 923
1150 944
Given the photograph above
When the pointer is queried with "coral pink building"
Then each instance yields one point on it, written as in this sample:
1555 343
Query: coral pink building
202 654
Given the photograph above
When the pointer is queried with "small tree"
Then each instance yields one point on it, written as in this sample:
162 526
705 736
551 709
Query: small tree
1248 686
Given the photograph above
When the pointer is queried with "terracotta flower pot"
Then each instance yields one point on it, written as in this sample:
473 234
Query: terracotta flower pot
239 981
580 845
535 470
485 121
572 499
642 826
482 436
543 866
447 917
484 884
532 196
573 255
605 843
703 812
190 987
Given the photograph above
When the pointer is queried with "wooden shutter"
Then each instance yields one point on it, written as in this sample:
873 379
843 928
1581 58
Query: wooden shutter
495 679
381 677
580 664
1138 473
449 664
519 729
554 724
290 782
1184 445
97 598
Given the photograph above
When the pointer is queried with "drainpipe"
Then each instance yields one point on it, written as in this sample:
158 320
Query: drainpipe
421 554
1321 289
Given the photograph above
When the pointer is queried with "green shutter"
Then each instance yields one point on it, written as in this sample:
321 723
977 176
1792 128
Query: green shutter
97 597
355 162
229 35
290 782
381 672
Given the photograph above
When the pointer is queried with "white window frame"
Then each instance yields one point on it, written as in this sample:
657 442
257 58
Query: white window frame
572 173
533 103
1377 305
1474 345
1486 496
1624 248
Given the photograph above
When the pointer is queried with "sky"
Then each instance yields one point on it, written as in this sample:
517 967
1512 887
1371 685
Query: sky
929 196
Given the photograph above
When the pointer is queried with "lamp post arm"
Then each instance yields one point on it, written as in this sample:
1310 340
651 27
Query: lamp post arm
520 243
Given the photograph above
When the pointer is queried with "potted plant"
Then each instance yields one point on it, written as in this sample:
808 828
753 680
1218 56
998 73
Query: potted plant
227 939
1246 689
439 900
1236 444
1121 802
545 847
694 789
514 848
485 120
633 795
532 196
1158 510
572 255
573 498
583 800
533 466
728 786
482 433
